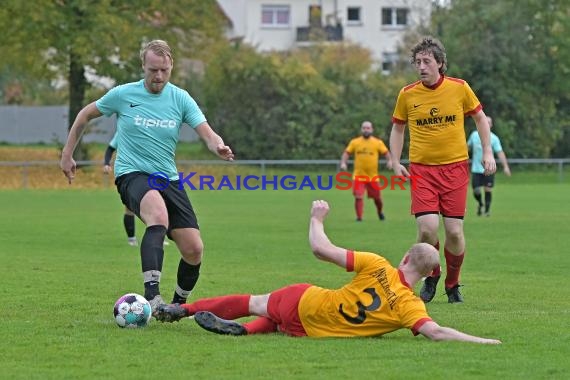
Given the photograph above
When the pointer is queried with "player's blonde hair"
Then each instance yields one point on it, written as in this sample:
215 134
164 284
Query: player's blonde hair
158 47
434 47
423 257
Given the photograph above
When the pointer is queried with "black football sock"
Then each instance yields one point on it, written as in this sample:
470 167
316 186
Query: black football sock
129 222
477 196
488 196
187 277
152 255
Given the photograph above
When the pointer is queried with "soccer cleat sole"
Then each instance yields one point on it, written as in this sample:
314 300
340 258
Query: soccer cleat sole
209 321
170 313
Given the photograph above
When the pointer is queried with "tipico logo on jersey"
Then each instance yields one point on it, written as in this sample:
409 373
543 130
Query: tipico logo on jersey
340 181
154 123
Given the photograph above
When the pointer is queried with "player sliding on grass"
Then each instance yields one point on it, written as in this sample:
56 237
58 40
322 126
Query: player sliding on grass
378 300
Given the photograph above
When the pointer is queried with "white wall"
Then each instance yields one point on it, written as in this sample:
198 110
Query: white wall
48 124
371 33
246 17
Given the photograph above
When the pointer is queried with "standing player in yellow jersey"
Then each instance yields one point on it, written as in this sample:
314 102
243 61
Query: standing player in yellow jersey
434 108
379 299
366 150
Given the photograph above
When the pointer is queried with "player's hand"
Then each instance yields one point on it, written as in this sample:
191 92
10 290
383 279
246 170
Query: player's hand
400 170
106 169
225 152
320 210
507 171
343 166
68 166
489 163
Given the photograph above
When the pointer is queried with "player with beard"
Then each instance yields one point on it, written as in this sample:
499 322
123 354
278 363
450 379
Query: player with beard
366 150
150 113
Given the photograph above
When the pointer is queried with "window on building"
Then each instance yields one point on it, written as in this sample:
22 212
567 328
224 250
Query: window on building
389 62
353 15
275 16
395 16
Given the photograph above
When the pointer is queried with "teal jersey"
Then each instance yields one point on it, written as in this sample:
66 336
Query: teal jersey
474 143
148 126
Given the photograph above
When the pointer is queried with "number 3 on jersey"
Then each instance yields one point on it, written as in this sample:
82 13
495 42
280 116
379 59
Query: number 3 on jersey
362 309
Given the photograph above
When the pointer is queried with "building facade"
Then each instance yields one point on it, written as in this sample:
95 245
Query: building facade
281 25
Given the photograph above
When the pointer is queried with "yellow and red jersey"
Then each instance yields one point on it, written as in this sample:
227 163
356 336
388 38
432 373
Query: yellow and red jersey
366 154
436 117
377 301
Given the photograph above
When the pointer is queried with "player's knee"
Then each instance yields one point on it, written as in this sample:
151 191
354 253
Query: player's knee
192 257
454 235
191 249
427 235
162 219
157 217
258 304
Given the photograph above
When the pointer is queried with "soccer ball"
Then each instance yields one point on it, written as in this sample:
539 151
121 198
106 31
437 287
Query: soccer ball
132 311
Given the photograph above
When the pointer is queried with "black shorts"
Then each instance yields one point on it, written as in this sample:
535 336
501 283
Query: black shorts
480 179
133 186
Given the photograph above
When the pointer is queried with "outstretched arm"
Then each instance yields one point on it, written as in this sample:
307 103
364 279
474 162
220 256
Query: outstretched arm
67 163
436 332
322 247
214 142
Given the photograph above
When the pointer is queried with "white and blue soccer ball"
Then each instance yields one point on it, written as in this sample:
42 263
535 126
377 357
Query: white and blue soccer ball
132 311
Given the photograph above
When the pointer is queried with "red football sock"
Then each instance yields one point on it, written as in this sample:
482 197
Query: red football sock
453 264
359 207
226 307
437 270
261 325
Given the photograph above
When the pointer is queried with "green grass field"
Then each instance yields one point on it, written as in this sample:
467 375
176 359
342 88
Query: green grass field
65 261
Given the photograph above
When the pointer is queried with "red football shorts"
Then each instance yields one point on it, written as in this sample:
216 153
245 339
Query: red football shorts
372 189
440 188
283 309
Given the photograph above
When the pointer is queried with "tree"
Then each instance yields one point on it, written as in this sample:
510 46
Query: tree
301 104
61 40
515 56
268 107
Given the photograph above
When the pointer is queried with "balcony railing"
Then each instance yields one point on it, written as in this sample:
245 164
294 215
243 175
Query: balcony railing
316 34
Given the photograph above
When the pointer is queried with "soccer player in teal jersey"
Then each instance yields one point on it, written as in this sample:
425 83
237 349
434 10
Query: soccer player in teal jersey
478 178
150 113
